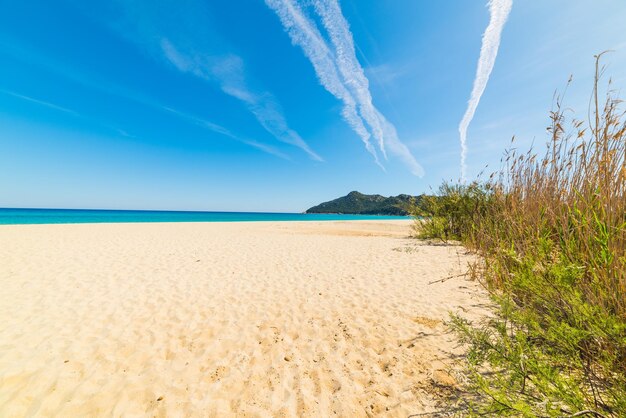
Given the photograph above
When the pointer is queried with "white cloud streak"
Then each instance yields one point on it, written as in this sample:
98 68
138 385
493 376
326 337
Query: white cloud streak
223 131
339 72
68 111
40 102
499 12
133 96
228 72
345 57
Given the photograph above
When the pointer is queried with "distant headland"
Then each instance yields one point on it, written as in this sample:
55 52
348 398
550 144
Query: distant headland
356 203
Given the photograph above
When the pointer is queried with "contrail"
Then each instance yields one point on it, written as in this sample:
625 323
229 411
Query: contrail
345 57
223 131
40 102
68 111
177 32
304 33
228 72
339 72
499 12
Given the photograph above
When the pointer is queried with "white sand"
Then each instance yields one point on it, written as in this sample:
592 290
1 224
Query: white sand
220 319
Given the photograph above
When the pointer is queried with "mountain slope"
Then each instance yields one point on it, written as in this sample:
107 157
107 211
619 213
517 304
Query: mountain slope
363 204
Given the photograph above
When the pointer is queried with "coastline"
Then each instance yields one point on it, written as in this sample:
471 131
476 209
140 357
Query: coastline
17 216
224 318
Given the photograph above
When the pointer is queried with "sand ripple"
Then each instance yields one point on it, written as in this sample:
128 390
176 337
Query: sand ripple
218 319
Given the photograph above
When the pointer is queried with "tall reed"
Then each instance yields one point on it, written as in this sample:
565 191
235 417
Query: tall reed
551 230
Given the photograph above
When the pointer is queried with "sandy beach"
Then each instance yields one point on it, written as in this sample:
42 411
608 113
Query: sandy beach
225 319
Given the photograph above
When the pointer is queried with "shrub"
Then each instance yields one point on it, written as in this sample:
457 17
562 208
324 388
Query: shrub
449 214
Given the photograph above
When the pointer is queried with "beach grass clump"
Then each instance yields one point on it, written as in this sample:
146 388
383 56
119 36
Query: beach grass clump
449 214
551 233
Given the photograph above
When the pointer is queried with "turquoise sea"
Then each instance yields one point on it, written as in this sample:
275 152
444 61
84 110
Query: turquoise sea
76 216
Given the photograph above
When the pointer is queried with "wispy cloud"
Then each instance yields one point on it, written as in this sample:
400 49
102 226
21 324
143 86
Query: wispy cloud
101 85
228 72
181 34
223 131
499 12
386 74
345 57
40 102
339 72
53 106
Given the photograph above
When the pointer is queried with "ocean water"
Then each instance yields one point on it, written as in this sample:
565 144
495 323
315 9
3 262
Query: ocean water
76 216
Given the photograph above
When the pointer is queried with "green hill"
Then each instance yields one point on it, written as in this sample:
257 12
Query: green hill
363 204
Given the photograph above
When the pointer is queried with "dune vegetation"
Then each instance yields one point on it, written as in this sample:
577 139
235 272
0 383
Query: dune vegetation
550 230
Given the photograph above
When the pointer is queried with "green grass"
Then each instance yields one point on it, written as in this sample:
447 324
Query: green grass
551 233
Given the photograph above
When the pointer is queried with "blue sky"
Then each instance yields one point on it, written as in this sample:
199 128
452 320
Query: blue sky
220 105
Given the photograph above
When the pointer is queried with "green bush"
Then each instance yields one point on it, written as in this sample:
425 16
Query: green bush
448 215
